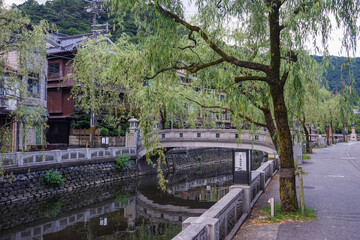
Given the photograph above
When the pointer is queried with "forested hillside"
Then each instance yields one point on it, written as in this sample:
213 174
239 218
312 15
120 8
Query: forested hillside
340 72
71 18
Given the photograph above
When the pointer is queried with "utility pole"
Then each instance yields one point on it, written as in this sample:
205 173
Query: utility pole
95 9
337 88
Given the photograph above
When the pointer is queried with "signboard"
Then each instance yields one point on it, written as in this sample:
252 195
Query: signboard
240 161
242 166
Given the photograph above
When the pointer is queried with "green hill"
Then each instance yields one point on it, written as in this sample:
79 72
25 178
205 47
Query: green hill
71 18
341 72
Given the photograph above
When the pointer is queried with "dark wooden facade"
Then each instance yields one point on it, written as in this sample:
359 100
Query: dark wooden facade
60 104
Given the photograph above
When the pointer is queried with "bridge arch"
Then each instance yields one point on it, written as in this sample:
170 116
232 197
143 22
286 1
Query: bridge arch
209 138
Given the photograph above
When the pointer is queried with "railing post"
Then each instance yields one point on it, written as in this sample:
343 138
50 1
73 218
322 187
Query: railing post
57 155
247 197
19 158
87 153
262 180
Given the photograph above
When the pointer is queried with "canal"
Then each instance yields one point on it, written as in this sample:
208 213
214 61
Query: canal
133 209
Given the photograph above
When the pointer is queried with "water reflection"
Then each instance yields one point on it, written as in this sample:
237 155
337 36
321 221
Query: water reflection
128 210
133 209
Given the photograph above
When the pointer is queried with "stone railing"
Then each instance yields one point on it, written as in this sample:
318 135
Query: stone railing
19 159
223 219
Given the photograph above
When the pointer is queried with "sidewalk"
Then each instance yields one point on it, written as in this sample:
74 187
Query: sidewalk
331 189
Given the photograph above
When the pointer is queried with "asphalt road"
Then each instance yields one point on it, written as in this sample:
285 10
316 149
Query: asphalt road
332 188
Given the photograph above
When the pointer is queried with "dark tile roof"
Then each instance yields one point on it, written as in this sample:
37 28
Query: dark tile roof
63 43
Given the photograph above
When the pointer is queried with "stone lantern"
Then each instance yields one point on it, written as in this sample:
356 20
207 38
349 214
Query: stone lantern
133 124
131 136
353 136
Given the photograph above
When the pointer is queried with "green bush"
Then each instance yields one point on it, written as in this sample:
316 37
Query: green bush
104 132
122 161
199 158
124 128
114 132
53 177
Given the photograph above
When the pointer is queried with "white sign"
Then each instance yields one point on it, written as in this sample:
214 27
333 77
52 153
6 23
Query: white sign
240 161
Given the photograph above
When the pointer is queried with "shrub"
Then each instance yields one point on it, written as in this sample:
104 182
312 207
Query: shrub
122 161
124 128
104 132
114 132
53 177
199 158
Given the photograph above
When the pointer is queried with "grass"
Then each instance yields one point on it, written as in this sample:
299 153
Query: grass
281 217
306 157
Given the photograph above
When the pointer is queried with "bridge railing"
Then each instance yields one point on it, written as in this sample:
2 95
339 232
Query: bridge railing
19 159
225 217
220 134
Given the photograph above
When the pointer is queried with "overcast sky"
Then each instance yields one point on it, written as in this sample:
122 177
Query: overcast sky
334 44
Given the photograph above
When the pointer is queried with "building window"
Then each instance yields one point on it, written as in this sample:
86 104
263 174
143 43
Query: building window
163 135
218 135
236 135
181 135
199 135
222 97
226 116
54 69
33 86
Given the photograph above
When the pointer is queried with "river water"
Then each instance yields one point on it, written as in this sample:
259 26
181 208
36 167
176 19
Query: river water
132 209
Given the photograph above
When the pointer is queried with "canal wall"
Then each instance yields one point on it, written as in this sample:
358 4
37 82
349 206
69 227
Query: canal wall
57 206
194 157
26 183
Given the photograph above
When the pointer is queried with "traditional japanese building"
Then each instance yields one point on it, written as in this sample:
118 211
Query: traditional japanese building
61 51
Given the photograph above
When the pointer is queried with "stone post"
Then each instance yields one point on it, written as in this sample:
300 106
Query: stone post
247 197
57 155
353 136
19 158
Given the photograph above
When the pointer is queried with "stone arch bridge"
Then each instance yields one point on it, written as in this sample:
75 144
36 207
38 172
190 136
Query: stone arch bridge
209 138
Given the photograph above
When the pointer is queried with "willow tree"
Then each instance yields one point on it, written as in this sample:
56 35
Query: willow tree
22 56
240 43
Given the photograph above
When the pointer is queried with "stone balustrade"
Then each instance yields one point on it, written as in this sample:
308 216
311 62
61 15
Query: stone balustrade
223 219
19 159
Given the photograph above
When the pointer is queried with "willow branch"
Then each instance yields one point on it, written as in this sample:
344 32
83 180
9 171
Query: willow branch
250 78
226 109
231 59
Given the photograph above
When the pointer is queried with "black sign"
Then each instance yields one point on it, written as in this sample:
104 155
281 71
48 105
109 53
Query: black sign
242 166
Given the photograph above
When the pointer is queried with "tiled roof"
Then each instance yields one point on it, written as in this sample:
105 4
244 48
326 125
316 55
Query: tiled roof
63 43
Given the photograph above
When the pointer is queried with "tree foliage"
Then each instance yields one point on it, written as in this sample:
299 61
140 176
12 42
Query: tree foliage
22 57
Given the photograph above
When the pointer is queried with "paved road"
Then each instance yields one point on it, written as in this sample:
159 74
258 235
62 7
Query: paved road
332 188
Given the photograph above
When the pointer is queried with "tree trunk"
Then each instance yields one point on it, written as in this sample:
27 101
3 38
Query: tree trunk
272 128
332 132
307 135
327 134
288 196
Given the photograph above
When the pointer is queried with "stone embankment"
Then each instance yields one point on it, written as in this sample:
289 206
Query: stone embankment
27 183
190 158
43 209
